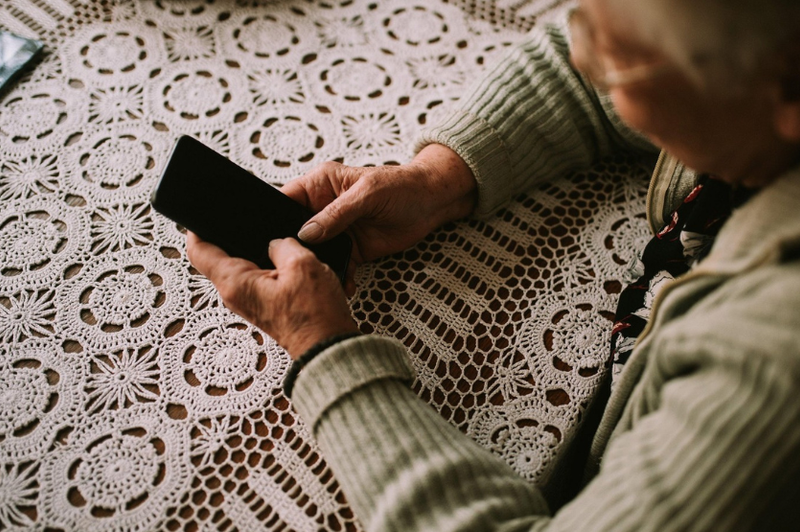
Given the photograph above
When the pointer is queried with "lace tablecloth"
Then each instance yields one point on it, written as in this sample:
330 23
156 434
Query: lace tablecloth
130 399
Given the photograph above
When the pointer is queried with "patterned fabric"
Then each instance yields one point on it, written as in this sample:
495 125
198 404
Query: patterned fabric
683 242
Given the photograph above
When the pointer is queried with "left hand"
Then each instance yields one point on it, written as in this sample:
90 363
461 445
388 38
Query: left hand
299 303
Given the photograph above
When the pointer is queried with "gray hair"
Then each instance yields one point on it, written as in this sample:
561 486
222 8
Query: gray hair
719 44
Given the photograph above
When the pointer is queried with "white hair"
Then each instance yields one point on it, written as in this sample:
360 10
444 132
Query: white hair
719 44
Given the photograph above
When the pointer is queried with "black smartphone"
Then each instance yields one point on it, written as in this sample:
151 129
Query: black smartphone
228 206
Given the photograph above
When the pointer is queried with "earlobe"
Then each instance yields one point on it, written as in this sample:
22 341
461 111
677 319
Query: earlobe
787 120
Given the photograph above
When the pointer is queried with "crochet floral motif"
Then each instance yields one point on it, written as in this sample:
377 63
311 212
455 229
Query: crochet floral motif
26 176
17 491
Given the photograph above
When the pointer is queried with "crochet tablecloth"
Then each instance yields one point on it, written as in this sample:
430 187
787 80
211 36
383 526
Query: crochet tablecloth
130 398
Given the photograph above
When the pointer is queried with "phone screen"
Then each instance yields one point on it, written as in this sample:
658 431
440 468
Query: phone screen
228 206
15 53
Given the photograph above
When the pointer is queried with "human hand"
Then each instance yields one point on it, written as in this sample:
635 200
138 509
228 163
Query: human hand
299 303
388 208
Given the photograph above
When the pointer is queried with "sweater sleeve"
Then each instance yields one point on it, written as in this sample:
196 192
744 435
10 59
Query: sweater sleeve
401 466
531 118
718 451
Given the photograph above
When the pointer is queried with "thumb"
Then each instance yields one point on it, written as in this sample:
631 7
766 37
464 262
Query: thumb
283 251
335 218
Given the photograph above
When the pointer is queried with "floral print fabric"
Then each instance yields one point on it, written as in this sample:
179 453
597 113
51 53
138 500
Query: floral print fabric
683 242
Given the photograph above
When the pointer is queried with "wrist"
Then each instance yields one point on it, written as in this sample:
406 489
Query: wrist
449 181
300 362
304 339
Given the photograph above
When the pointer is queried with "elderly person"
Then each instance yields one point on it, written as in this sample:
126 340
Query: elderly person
702 428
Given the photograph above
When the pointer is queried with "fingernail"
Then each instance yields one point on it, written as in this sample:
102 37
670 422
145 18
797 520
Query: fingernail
273 242
310 232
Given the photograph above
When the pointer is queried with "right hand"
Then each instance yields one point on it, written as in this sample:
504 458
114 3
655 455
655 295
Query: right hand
298 303
386 209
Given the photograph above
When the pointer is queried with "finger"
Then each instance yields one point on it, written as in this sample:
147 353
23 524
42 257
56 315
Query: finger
203 255
287 253
349 288
335 218
191 240
296 189
317 188
356 258
224 271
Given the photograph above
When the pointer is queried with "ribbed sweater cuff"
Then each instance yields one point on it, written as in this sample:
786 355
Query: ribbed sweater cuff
482 148
345 367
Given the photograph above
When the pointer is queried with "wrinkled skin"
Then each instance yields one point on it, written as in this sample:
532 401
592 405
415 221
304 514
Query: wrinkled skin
298 303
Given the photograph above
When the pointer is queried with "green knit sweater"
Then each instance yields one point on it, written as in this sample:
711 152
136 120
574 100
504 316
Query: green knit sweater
702 431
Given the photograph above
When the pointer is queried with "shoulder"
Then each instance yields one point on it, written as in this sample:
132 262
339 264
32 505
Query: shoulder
749 318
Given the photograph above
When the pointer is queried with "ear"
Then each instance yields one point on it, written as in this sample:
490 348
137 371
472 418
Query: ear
787 105
787 120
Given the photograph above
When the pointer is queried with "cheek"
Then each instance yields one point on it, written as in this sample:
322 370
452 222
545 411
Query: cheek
640 113
670 115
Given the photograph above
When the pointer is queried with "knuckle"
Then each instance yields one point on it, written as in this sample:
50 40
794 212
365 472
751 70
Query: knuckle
373 180
372 175
330 167
292 263
308 260
352 175
327 272
298 262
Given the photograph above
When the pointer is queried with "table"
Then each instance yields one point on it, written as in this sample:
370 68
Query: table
131 398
